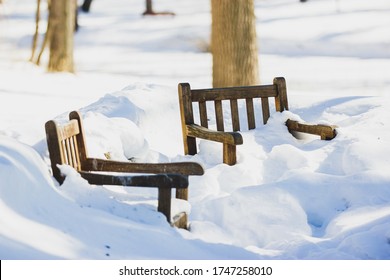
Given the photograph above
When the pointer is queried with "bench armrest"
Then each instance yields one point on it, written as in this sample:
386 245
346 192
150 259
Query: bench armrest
182 168
327 132
231 138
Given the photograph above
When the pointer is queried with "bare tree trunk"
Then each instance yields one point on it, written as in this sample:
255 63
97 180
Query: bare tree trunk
46 39
62 25
149 8
35 38
233 43
150 12
85 7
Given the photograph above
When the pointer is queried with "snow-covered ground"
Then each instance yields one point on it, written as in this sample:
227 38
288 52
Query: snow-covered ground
285 199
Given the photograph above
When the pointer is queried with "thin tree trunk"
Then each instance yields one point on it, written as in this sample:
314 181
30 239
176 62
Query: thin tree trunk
149 8
86 6
45 40
62 21
35 38
234 43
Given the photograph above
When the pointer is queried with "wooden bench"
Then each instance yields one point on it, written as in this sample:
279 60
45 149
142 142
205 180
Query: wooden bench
192 130
66 145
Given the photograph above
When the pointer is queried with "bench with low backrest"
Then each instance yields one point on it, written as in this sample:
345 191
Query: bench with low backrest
192 130
66 145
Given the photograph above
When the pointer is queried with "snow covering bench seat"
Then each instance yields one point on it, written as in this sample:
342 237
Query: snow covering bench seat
192 130
67 146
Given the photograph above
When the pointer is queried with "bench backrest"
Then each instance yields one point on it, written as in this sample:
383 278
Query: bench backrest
189 96
66 144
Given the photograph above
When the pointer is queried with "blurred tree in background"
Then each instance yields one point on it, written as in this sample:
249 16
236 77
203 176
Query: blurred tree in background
61 24
86 6
234 43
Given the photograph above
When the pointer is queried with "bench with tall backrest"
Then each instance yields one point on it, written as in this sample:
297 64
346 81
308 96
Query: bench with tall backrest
66 145
230 139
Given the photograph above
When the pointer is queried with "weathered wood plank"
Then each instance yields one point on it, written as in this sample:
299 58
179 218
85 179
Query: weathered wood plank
164 202
180 220
233 138
235 115
229 154
182 194
203 114
265 109
219 115
233 93
326 132
250 112
183 168
68 130
77 155
68 152
82 148
55 149
187 117
168 181
281 102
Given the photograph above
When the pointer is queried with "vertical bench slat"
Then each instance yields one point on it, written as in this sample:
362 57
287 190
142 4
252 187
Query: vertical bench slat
265 109
76 149
74 154
250 112
219 115
64 153
234 113
71 153
203 114
68 152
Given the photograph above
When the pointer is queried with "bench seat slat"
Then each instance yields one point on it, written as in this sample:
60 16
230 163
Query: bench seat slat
148 181
183 168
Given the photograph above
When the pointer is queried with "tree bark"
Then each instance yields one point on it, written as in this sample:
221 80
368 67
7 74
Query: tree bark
149 8
36 34
234 43
62 25
86 6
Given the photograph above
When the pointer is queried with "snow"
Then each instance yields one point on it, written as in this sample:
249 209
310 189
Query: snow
286 198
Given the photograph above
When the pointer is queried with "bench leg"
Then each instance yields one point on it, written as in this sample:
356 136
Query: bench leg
229 154
190 145
182 194
181 220
164 202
